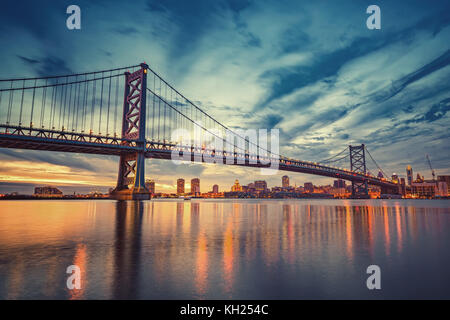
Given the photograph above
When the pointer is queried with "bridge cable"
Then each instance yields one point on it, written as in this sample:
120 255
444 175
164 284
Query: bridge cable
336 160
386 176
67 75
101 108
116 104
327 160
207 115
32 104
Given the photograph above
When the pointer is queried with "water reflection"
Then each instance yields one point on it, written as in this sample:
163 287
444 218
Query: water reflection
127 255
223 249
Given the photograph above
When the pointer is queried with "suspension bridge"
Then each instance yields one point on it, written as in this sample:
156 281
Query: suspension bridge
131 112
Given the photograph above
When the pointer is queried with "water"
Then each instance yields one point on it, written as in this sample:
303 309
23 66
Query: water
227 249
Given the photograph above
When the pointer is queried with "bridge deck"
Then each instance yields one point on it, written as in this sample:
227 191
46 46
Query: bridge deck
85 143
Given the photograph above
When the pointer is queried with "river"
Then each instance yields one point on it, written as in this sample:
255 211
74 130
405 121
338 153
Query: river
225 249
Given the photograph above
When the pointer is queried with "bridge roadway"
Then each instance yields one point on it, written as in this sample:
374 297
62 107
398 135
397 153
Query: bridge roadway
64 141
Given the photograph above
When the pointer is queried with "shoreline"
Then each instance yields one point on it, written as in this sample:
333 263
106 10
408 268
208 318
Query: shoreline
209 199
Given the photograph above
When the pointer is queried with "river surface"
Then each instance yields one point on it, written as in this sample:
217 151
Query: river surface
225 249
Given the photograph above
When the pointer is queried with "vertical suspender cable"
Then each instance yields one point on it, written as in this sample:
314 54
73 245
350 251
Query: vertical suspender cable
44 97
21 103
116 103
32 103
109 103
93 106
11 99
101 108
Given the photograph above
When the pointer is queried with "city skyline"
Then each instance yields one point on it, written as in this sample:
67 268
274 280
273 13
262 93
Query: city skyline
419 186
325 82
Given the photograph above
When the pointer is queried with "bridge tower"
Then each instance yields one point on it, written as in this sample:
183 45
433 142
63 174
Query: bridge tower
360 190
132 165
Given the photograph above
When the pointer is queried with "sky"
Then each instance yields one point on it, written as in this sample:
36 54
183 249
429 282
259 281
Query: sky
312 69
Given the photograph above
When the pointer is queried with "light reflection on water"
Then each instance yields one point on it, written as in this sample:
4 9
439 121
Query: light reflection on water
202 249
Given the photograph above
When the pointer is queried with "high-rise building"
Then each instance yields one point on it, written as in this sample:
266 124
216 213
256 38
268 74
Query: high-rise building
395 178
236 187
215 188
442 189
180 186
445 179
419 178
260 185
339 183
409 175
423 189
309 187
150 185
47 191
285 182
195 186
402 186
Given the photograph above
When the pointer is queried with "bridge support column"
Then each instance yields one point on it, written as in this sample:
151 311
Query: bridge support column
360 189
131 178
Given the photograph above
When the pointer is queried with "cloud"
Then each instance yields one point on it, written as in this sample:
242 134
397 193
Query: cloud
400 84
125 30
47 65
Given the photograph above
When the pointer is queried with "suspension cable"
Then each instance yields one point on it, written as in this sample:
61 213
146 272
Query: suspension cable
328 160
336 160
386 176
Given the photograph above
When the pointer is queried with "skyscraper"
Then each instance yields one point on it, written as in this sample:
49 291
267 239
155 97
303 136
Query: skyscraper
395 178
445 179
195 186
309 187
236 187
339 183
150 185
409 175
215 188
260 185
402 186
419 178
285 182
180 186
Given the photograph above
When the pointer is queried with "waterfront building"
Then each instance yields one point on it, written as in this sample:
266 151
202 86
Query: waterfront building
215 189
195 186
47 191
419 179
260 185
285 182
395 178
150 185
180 186
309 187
442 189
339 183
424 189
236 187
402 187
445 179
409 175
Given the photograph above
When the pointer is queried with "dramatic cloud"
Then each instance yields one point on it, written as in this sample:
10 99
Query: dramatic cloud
311 69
